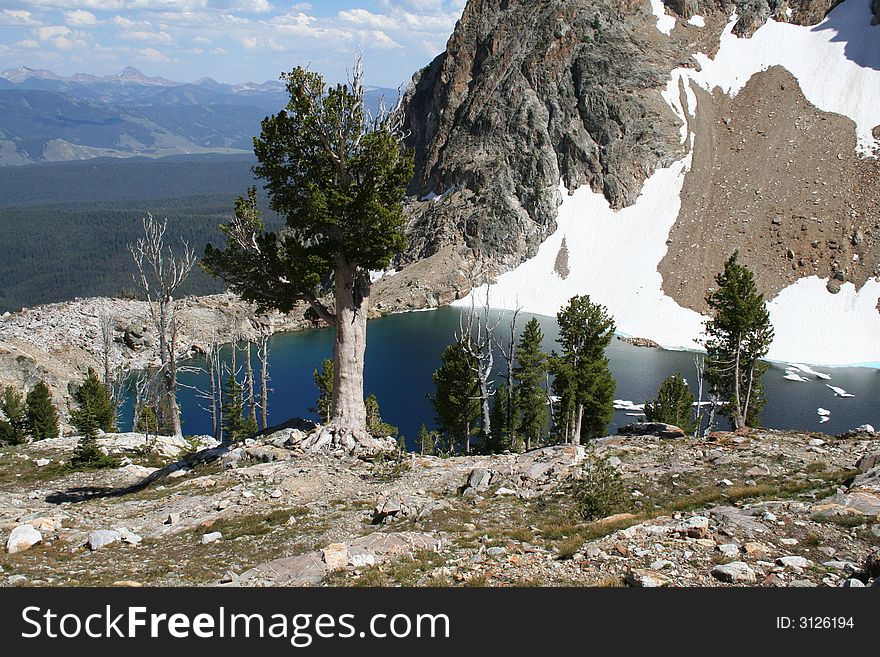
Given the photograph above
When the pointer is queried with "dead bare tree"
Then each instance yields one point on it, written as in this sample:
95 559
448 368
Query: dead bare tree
106 322
159 274
146 386
477 337
508 350
263 355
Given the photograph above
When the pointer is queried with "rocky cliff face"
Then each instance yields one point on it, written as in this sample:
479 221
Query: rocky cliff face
531 93
528 94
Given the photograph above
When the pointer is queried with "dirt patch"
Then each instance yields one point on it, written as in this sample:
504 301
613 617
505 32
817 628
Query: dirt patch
779 180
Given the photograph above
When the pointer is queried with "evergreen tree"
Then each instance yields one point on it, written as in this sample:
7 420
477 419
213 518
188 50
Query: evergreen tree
42 417
529 374
13 430
96 410
375 425
674 404
147 423
583 379
324 383
737 338
339 181
456 397
236 426
498 439
426 441
88 455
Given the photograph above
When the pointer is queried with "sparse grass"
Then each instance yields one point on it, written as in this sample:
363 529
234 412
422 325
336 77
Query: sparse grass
251 525
478 582
569 547
847 521
815 467
610 583
406 572
448 520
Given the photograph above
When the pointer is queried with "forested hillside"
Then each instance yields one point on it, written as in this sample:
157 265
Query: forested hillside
57 242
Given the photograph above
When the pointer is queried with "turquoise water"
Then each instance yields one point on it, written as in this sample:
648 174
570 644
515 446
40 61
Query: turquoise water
404 350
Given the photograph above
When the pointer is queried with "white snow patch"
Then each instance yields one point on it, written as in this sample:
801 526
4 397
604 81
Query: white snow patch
376 274
826 329
432 196
794 376
665 22
697 21
626 405
809 370
835 62
839 392
613 257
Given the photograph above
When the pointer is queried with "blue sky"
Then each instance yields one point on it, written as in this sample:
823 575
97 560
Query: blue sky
228 40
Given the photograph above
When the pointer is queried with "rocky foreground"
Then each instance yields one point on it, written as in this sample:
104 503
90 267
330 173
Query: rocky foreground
766 508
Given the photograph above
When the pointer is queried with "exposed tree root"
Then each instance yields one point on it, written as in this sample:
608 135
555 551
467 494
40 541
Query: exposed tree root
350 441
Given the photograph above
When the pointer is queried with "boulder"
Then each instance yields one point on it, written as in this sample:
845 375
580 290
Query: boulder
659 429
695 527
868 462
644 578
735 572
479 479
127 536
212 537
795 562
22 538
101 537
335 556
729 549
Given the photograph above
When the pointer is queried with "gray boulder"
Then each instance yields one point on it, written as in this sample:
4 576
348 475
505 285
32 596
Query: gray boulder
102 537
22 538
735 572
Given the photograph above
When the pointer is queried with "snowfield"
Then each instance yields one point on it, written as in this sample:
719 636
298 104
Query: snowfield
613 255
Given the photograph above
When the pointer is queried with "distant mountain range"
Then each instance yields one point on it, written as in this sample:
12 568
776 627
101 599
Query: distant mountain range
45 117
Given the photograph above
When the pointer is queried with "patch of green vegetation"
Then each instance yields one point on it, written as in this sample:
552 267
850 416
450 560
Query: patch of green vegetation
389 468
600 493
848 521
406 572
251 525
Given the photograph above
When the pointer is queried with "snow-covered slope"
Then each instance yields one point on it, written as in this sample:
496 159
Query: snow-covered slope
613 255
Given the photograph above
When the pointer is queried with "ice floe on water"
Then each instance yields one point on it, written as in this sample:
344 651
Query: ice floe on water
839 392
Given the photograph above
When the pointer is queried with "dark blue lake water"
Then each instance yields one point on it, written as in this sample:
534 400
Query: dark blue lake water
404 350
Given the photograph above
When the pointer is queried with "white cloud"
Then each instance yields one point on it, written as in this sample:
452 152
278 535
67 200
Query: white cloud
51 32
153 55
136 35
80 17
17 17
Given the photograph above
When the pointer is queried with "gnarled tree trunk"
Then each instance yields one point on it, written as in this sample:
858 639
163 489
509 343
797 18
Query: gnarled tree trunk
347 428
352 303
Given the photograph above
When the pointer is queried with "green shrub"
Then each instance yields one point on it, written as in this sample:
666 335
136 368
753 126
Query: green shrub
674 404
600 492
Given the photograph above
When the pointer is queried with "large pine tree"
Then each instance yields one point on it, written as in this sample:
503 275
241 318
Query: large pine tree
41 414
737 338
13 430
339 180
529 375
96 409
456 396
674 404
583 379
237 425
